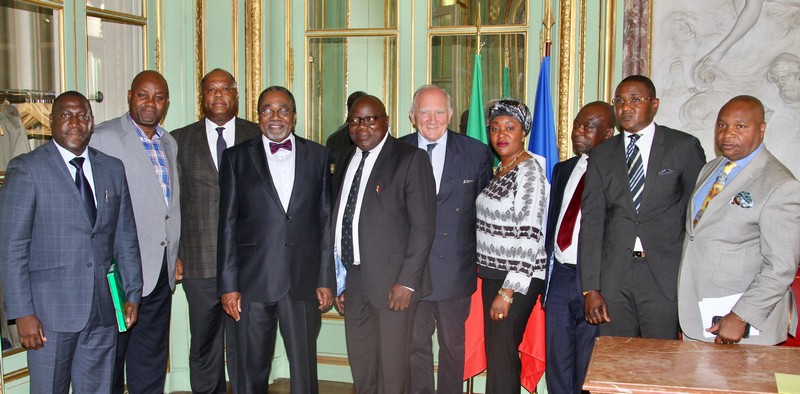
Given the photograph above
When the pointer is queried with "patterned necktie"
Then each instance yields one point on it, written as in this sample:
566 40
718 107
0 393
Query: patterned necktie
635 170
430 150
349 211
221 146
84 188
564 237
274 146
719 183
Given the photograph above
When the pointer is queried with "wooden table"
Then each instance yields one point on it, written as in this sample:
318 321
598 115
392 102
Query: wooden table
636 365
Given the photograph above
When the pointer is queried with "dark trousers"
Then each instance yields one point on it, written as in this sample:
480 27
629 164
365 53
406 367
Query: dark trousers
377 341
84 358
502 338
448 318
299 321
569 338
142 350
640 308
213 338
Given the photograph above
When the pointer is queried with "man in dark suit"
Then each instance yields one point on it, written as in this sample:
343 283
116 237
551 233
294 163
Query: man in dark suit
340 141
149 154
569 337
638 185
274 259
200 147
385 211
462 166
57 242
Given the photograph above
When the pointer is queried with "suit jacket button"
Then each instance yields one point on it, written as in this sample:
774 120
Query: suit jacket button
89 264
163 243
444 234
441 257
288 217
458 209
691 238
166 217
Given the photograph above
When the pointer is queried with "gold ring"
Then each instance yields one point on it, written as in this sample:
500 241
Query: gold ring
500 316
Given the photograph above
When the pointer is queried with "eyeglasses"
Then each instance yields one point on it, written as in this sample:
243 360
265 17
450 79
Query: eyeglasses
631 101
367 120
268 112
213 90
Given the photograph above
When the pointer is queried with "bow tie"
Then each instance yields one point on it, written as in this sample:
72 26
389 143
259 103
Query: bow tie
274 147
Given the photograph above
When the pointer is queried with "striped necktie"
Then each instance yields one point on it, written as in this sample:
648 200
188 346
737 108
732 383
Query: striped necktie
719 183
635 170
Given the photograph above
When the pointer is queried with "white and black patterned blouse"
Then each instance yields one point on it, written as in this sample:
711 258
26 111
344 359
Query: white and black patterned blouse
510 217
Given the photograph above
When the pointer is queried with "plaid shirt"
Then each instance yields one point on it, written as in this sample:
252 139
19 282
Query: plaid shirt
155 151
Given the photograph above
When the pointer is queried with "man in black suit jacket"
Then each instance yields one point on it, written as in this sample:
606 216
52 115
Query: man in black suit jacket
569 337
630 242
200 146
274 260
462 166
385 211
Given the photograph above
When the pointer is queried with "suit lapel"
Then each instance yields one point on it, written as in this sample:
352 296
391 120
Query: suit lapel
339 172
744 177
300 166
145 167
241 134
67 180
653 165
102 184
620 169
259 159
199 140
450 171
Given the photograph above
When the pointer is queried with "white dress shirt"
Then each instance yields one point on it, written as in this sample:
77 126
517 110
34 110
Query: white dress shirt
281 168
437 155
644 143
352 167
570 255
229 135
87 166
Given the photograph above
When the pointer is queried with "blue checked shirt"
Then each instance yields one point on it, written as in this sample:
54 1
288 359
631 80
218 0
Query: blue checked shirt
155 151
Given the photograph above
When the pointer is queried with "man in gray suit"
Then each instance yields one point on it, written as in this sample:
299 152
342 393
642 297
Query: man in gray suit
742 232
637 186
151 166
200 147
462 166
57 242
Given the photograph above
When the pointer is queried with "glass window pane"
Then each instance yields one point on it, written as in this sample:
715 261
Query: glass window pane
29 47
110 67
333 14
453 60
133 7
464 12
339 66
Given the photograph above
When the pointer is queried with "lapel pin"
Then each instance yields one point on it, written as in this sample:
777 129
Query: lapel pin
378 189
106 195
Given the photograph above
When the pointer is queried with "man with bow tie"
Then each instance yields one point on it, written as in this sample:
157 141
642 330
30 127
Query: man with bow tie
742 232
274 262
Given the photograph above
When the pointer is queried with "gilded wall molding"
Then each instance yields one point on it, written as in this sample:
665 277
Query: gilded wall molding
252 56
565 77
199 51
582 55
609 45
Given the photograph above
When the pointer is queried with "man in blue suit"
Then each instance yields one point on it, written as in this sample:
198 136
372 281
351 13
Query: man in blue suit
569 337
65 213
462 166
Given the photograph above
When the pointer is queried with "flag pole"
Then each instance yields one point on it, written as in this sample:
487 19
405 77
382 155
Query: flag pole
548 23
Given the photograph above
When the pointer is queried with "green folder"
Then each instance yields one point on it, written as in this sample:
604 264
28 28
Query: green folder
117 295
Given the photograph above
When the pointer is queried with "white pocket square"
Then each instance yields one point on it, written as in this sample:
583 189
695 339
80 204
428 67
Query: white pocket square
469 180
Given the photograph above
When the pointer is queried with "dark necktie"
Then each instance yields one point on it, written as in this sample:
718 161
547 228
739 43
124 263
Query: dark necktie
635 170
84 188
564 238
349 211
430 150
274 146
221 145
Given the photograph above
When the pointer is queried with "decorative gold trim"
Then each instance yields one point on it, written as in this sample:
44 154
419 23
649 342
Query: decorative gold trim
62 53
253 56
289 49
16 375
582 57
115 16
159 38
333 360
235 12
565 77
199 52
610 42
649 59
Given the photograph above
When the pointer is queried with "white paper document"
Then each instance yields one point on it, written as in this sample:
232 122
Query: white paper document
710 307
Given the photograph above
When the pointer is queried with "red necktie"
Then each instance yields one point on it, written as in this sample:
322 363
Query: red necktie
564 238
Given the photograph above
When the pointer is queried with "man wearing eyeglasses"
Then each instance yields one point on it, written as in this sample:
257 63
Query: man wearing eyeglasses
385 212
637 188
274 259
200 147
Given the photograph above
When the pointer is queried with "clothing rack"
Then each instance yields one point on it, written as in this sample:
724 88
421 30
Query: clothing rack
17 96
